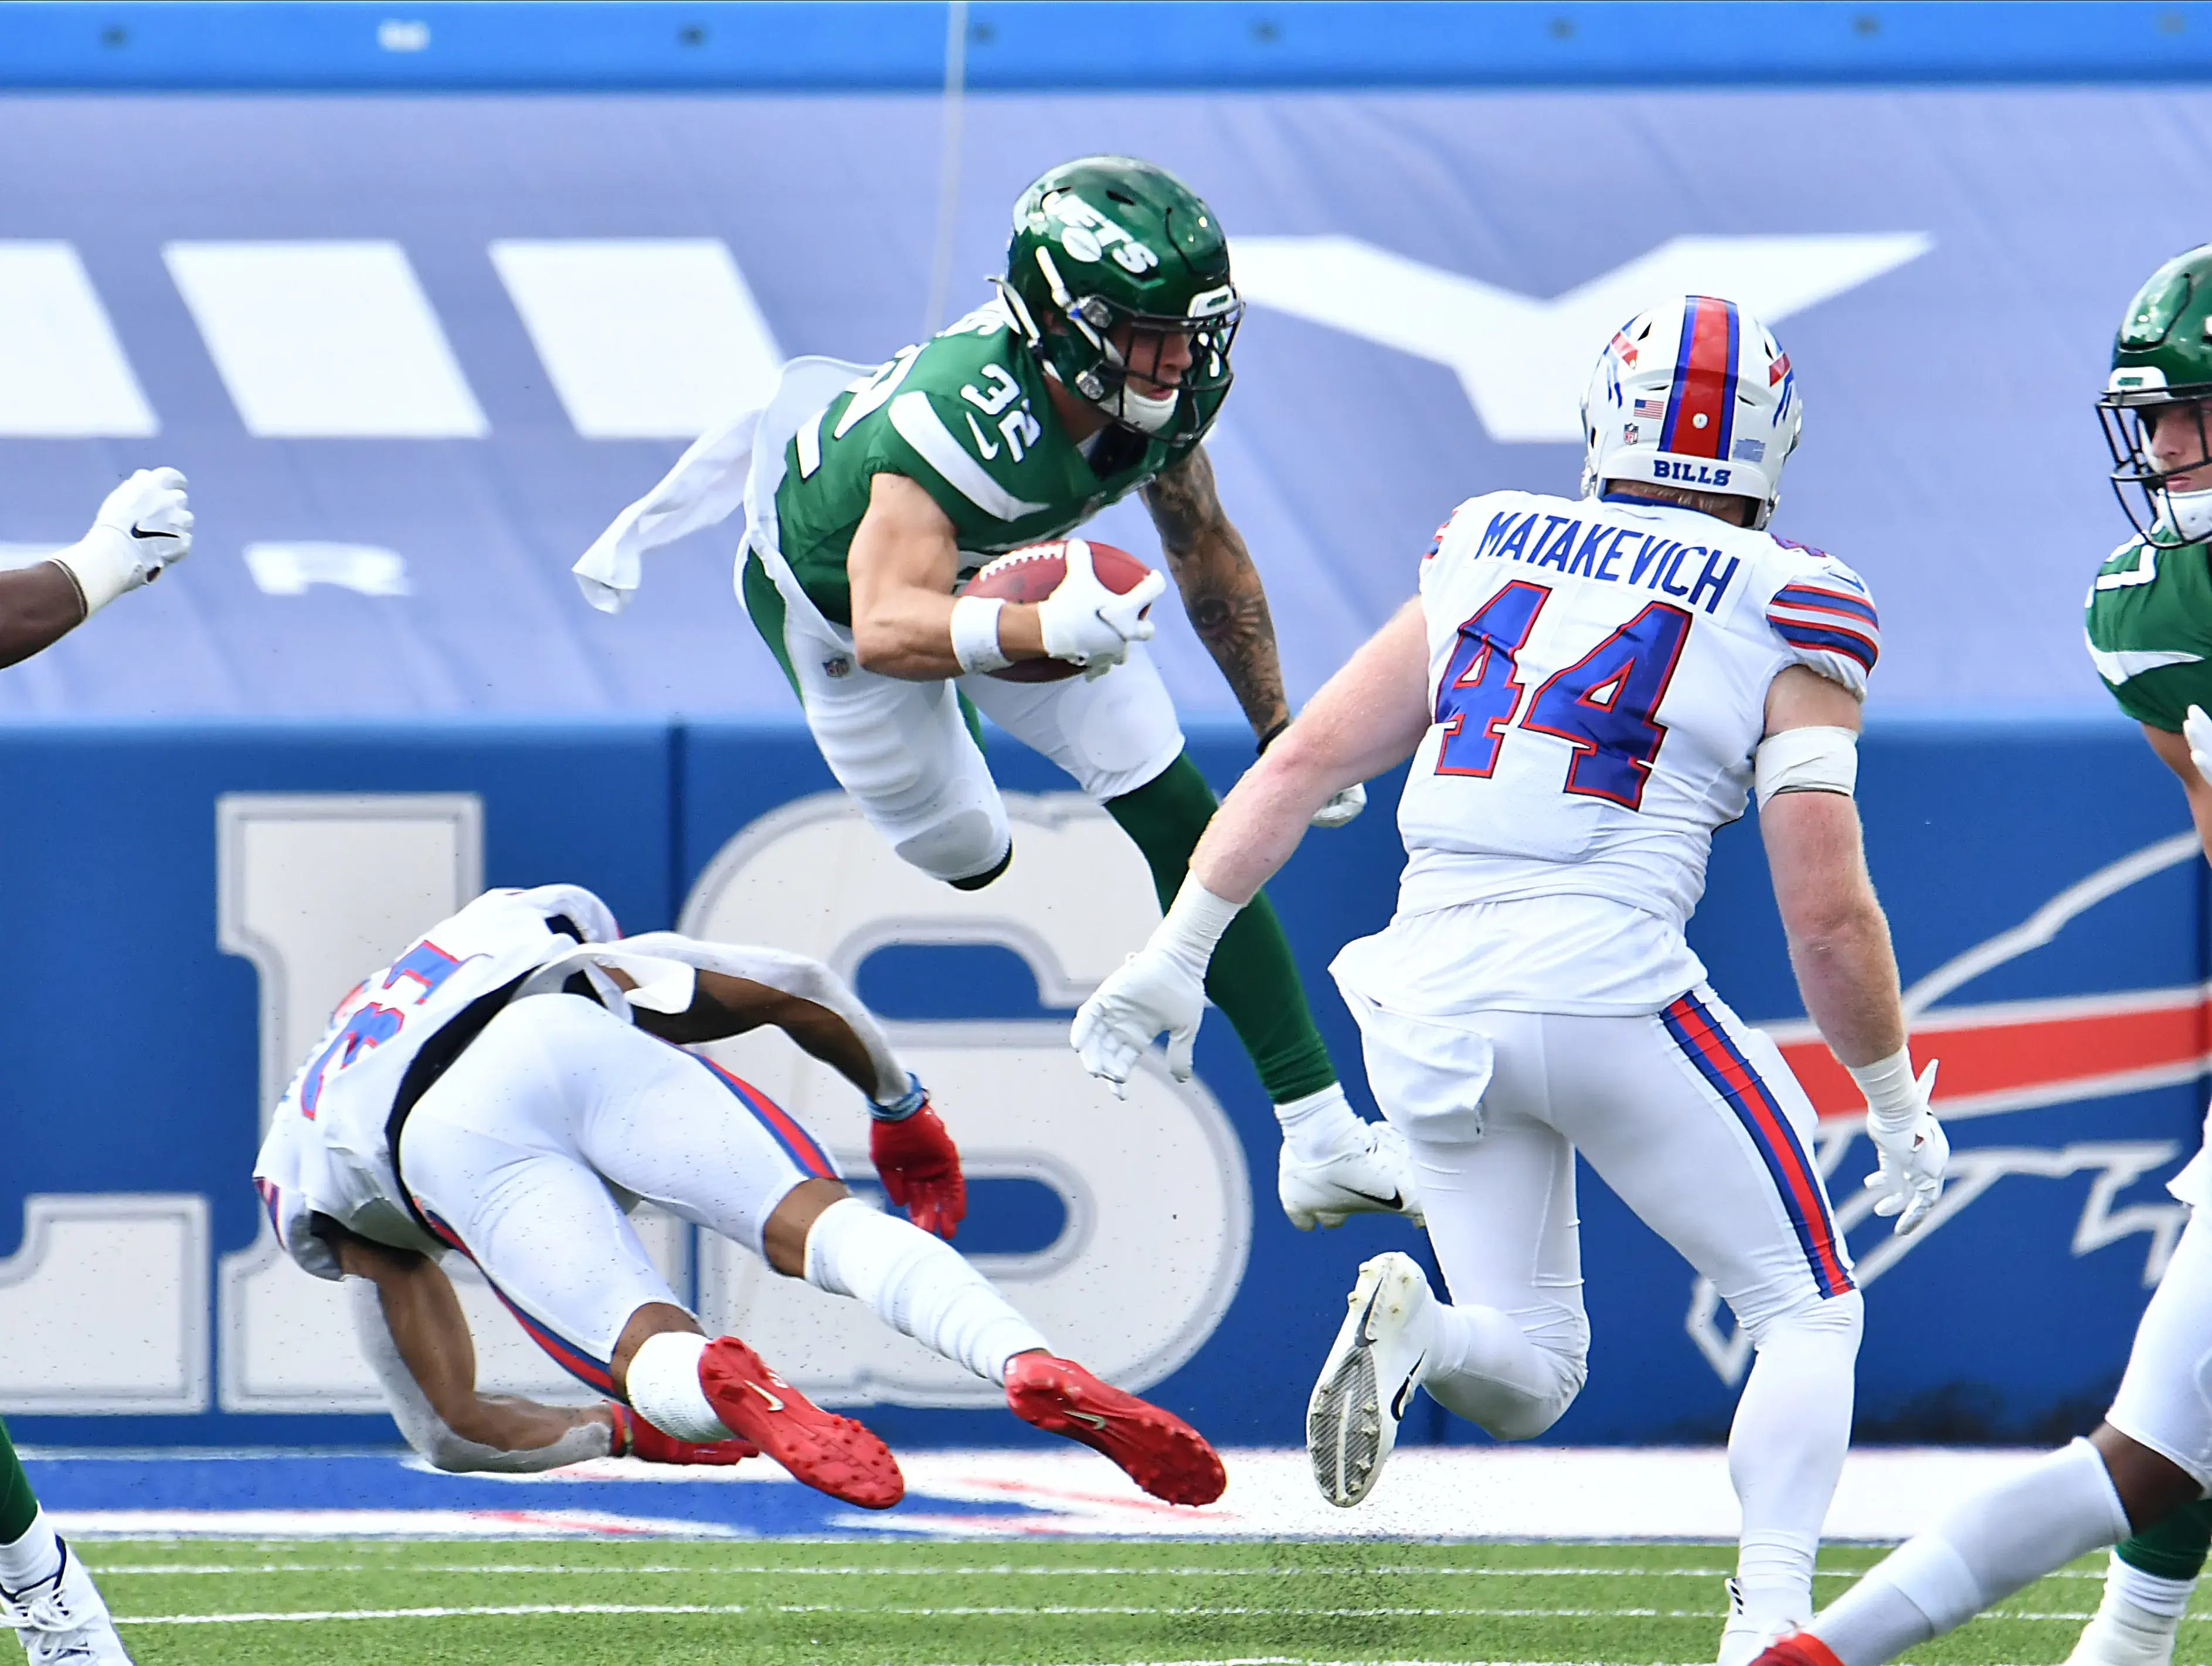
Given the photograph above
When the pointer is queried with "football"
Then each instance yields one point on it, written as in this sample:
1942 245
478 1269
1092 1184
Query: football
1032 573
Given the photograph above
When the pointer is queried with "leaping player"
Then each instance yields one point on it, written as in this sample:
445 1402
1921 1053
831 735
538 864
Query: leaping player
516 1079
143 527
2138 1481
1587 689
871 494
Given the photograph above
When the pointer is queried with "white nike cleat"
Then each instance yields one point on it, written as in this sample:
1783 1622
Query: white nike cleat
2121 1634
1369 1377
61 1620
1745 1638
1374 1179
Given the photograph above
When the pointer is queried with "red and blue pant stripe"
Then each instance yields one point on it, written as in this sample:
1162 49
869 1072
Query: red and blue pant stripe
592 1373
1708 1046
798 1144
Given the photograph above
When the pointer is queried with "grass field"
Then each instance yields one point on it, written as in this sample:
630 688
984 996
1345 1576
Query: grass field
840 1603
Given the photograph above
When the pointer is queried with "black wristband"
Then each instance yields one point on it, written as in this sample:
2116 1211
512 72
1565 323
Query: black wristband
1274 734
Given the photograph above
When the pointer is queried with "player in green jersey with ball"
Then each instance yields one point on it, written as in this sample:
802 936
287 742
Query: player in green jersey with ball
870 497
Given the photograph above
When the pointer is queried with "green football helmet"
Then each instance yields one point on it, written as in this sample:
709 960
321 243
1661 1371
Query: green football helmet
2162 369
1114 271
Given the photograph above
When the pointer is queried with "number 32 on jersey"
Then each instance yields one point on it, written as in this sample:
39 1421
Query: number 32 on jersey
1601 705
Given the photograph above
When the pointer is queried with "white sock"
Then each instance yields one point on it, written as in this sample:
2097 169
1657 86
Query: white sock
918 1284
665 1390
2159 1597
1321 1125
1982 1552
1786 1446
37 1556
1510 1382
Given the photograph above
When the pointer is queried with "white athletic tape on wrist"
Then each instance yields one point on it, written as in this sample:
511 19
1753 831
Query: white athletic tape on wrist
1194 923
1892 1095
1814 760
664 1388
975 633
102 564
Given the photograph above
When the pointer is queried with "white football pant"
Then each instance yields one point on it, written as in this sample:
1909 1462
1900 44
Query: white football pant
2165 1398
527 1153
1695 1123
903 751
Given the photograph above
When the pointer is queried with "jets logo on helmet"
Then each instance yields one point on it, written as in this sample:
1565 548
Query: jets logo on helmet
1696 394
1116 272
2161 372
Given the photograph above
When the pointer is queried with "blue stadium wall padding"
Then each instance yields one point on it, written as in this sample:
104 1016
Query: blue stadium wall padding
129 1043
329 46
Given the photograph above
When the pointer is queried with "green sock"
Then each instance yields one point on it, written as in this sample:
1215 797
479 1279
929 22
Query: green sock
19 1505
2176 1547
1252 980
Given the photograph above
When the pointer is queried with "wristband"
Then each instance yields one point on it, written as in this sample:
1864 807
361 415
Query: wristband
1194 924
619 1436
101 566
899 1110
1274 733
975 633
1893 1095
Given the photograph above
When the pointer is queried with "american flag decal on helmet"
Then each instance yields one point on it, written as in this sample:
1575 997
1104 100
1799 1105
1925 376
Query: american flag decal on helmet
1701 405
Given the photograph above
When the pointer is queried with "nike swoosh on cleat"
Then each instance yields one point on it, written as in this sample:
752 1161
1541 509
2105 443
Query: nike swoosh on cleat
1406 1390
1395 1200
774 1404
1091 1417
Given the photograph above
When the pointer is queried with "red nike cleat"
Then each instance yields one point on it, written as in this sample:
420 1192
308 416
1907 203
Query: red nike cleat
1158 1449
1798 1649
831 1454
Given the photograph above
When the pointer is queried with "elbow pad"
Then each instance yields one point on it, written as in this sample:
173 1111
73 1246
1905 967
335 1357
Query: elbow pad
1815 760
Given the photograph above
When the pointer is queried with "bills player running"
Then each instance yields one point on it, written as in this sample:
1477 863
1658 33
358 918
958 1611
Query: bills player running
143 526
871 493
1587 689
2140 1477
507 1089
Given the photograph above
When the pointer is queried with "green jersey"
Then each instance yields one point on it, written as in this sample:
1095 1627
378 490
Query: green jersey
967 417
2149 626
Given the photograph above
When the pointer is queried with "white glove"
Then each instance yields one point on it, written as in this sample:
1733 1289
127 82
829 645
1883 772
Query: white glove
1913 1156
1342 809
1085 623
1152 991
141 527
1161 987
2197 730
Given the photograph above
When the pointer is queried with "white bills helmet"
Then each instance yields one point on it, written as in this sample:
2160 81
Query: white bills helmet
1693 392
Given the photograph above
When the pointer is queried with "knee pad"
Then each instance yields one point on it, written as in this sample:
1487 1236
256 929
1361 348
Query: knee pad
969 846
1839 1319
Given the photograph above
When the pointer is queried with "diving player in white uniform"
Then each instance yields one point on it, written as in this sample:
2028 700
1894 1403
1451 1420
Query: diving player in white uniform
1587 688
143 527
508 1088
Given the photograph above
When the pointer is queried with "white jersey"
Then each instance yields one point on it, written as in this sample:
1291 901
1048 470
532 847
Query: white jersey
1598 674
325 1152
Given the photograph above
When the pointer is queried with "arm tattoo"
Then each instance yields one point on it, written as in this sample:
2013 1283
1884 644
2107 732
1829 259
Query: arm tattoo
1221 589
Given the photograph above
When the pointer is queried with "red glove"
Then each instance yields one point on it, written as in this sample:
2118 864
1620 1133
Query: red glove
919 1167
634 1437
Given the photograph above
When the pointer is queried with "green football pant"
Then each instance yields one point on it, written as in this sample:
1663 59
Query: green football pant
2176 1547
1253 980
19 1505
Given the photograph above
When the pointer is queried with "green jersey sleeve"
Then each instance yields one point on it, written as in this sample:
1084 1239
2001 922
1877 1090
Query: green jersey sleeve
2149 629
